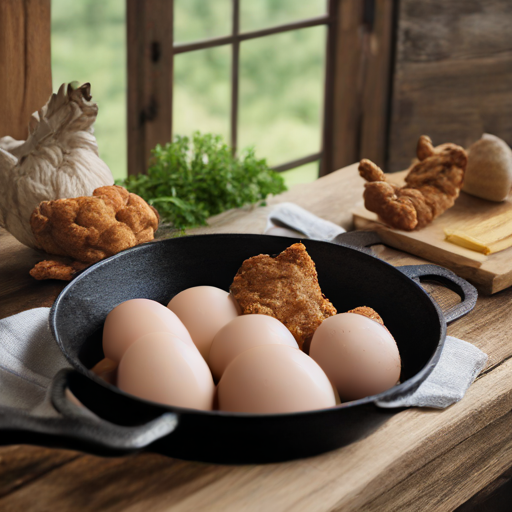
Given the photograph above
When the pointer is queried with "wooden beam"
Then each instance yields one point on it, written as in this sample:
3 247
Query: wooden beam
375 92
362 76
25 63
150 70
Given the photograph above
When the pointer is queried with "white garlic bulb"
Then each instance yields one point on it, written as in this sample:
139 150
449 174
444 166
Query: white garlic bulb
58 160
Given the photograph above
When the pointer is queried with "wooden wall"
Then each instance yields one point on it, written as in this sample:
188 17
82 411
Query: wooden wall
452 74
361 81
25 63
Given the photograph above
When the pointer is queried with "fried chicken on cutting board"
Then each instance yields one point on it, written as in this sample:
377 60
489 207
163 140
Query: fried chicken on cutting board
432 186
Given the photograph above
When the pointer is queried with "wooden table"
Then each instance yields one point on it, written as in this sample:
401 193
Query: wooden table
419 460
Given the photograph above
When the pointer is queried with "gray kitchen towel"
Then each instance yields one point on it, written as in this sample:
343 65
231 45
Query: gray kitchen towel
29 359
289 219
460 362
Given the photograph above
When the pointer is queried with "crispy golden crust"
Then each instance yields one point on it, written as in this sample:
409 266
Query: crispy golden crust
367 312
285 287
91 228
49 269
432 185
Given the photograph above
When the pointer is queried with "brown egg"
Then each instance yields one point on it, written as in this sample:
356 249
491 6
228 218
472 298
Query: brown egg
245 332
270 379
162 368
131 319
204 310
359 355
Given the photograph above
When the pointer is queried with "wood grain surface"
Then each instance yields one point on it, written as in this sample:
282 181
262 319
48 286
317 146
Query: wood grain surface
25 63
150 71
452 76
421 459
362 81
491 273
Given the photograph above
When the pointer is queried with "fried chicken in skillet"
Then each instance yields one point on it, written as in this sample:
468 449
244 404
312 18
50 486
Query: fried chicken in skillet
285 287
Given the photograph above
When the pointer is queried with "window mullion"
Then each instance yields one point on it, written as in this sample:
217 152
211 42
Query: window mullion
235 62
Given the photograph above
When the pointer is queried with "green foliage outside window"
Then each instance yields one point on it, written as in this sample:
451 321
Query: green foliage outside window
190 180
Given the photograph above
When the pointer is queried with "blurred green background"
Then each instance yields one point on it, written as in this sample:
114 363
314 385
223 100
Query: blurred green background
281 76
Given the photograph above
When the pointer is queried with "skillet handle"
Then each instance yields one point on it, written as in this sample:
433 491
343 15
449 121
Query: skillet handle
88 429
362 240
465 290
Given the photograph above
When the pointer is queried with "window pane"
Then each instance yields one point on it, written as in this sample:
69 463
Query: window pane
201 19
281 94
89 45
201 99
256 14
303 174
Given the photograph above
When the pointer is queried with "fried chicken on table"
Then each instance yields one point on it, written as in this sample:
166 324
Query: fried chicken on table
285 287
432 186
89 229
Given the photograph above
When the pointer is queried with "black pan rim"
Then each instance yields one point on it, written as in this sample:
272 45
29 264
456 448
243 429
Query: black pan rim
401 389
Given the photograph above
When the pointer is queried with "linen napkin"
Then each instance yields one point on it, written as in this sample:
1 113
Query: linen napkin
29 359
460 362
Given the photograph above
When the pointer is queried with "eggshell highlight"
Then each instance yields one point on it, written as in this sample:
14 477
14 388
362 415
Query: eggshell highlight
271 379
243 333
162 368
204 310
134 318
359 355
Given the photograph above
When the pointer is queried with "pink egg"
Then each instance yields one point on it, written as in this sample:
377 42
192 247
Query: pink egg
358 354
162 368
245 332
271 379
134 318
204 310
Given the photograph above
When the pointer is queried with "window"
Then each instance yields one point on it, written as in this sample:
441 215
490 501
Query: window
304 82
88 42
251 71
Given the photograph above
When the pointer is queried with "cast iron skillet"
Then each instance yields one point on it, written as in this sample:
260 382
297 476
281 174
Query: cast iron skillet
349 278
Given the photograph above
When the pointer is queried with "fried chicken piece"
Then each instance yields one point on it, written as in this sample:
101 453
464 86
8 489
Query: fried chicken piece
49 269
90 228
285 287
432 186
368 313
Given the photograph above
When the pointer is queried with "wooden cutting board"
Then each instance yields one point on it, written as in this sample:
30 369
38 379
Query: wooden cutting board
489 274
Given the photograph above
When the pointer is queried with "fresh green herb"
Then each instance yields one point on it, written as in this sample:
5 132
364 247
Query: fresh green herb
188 181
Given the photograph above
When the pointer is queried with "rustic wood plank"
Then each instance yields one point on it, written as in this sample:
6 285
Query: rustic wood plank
25 61
475 461
150 70
18 290
20 465
361 82
377 82
453 74
347 83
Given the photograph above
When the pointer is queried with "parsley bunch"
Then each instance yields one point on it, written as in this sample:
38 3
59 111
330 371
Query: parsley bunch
190 180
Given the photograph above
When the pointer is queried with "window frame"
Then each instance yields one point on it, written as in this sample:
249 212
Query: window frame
357 84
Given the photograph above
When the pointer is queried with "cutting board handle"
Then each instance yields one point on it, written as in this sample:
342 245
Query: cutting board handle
445 277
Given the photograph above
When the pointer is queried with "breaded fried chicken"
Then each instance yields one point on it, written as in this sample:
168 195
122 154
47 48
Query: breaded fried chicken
285 287
368 313
432 186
